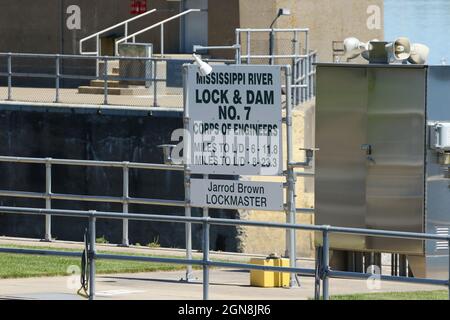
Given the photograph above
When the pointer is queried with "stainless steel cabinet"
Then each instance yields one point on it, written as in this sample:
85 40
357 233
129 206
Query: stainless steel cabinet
375 168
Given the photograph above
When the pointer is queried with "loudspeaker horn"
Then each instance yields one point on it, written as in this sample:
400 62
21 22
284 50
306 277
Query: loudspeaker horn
419 54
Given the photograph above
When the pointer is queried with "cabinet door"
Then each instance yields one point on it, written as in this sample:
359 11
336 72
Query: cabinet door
340 182
396 135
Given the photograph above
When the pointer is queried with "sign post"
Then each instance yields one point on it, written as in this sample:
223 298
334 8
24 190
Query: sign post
233 118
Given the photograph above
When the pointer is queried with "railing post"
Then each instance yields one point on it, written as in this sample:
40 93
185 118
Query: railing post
295 66
92 253
162 40
290 177
48 201
105 78
9 76
326 267
248 47
155 84
97 46
448 285
188 228
126 196
57 78
205 259
238 42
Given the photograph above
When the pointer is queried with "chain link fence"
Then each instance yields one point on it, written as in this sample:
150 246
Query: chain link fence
91 80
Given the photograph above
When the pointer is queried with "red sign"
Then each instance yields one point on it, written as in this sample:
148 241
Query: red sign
138 6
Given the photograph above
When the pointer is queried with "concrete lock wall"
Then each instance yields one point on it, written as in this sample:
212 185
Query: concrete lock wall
83 133
328 21
269 240
49 26
45 26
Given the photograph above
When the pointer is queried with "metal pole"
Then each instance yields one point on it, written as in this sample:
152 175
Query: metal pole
105 78
162 40
48 203
126 197
92 253
238 42
155 84
97 43
294 65
326 263
271 45
248 46
9 76
291 206
205 261
448 286
187 213
57 78
187 182
307 66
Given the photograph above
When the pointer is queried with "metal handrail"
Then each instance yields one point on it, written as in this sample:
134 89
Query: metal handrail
97 34
324 274
302 60
159 24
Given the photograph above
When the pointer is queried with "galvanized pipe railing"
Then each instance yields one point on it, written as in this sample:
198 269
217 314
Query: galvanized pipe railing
159 24
205 262
125 200
48 195
99 33
302 57
58 75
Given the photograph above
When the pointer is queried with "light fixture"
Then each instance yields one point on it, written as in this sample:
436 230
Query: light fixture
204 68
281 12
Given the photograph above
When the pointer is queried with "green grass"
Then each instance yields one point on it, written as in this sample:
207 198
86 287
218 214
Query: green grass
25 265
417 295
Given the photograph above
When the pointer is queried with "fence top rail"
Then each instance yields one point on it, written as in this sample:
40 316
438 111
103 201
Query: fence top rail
93 163
272 30
216 221
109 58
75 56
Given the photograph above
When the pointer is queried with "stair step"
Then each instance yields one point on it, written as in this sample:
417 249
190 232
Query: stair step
101 83
98 90
114 91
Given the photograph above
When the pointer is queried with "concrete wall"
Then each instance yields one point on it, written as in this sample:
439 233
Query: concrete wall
223 19
83 133
269 240
336 20
40 26
328 20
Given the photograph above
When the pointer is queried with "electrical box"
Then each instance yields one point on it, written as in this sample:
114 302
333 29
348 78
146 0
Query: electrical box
384 137
269 279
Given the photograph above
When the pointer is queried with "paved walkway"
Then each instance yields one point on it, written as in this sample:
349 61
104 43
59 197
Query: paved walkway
225 284
132 249
71 96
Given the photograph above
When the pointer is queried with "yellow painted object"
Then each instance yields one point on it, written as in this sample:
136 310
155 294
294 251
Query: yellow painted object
269 279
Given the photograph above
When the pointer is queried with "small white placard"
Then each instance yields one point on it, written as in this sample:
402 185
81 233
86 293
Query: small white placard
236 194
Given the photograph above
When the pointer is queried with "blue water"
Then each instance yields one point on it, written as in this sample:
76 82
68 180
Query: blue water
423 21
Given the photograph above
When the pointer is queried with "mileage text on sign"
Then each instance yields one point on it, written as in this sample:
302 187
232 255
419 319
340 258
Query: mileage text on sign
235 120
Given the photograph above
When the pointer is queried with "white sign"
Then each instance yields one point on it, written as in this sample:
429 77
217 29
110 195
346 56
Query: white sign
235 194
235 120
